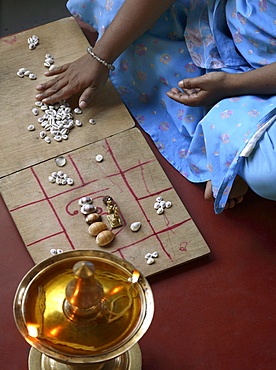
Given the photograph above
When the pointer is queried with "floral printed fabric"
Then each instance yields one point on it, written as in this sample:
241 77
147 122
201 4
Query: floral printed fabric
191 39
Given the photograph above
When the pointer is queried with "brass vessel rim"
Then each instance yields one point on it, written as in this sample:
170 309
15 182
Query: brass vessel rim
18 305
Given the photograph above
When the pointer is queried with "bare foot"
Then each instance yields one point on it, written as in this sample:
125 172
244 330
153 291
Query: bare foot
237 192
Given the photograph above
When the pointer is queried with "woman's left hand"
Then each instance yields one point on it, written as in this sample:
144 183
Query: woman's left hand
205 90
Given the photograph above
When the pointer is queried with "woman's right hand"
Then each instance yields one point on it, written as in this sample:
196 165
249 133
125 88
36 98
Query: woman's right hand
85 74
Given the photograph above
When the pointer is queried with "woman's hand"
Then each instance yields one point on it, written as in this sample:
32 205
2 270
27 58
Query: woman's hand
205 90
85 74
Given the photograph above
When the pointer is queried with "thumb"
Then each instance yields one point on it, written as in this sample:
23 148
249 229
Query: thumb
86 97
190 83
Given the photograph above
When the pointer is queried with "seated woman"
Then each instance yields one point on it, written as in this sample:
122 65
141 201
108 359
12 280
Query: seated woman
217 125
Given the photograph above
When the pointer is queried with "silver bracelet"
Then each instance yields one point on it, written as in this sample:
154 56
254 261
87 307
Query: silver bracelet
108 65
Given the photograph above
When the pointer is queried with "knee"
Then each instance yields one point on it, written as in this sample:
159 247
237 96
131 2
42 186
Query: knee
260 176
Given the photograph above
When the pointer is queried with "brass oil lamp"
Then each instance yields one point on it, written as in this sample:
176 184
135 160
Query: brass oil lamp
83 309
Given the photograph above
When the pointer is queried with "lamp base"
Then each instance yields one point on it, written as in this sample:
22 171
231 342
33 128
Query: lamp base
130 360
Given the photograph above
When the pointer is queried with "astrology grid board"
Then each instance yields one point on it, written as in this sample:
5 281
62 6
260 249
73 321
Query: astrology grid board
48 215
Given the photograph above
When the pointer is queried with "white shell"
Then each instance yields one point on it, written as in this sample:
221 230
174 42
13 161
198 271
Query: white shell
85 200
78 123
163 204
92 121
32 76
53 251
155 254
70 181
159 199
35 111
59 251
47 139
20 74
52 67
42 134
148 255
22 70
49 60
58 138
31 127
156 205
60 174
38 103
27 73
168 204
77 111
135 226
32 46
60 161
51 179
99 158
150 261
88 208
160 211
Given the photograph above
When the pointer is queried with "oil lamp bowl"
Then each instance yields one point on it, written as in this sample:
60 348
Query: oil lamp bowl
123 314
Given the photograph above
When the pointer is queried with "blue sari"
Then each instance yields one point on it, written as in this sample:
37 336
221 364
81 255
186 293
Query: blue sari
190 39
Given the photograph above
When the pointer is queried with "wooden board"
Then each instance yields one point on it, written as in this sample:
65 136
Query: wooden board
20 148
48 215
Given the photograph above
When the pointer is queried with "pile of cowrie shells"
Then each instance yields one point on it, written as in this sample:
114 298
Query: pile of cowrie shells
57 120
60 178
150 257
96 227
33 41
160 205
22 72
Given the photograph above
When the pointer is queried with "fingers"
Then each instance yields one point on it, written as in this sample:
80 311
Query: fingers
191 99
86 97
190 83
48 84
53 91
57 70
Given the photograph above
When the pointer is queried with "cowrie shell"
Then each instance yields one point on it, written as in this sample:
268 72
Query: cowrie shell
135 226
150 261
32 76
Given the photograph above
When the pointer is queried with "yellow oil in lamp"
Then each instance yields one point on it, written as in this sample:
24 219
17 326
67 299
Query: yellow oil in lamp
84 309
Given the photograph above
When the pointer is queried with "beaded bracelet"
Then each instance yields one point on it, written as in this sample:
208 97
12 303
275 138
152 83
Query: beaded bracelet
109 66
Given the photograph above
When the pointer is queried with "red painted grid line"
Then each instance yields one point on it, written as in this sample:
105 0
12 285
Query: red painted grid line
154 233
53 209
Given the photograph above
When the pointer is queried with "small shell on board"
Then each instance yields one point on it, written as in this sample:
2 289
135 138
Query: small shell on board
93 217
96 227
135 226
88 208
105 237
